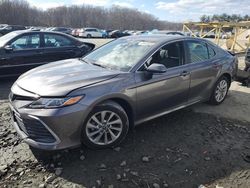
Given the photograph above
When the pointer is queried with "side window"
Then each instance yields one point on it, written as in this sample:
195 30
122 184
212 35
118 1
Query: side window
198 51
169 55
211 52
26 42
53 40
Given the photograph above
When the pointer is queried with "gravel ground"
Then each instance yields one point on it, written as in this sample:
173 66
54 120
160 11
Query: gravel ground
186 148
182 149
200 146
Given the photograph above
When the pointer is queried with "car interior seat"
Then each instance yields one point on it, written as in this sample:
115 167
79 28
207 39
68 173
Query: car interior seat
170 57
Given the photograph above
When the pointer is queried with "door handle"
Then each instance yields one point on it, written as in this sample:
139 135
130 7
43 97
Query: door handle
185 73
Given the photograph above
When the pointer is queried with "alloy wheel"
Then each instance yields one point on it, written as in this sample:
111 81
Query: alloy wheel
221 90
104 127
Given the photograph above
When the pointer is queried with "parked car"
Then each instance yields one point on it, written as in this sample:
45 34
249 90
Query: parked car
62 30
48 29
75 32
104 33
4 29
91 33
35 28
109 32
117 34
24 50
175 33
94 100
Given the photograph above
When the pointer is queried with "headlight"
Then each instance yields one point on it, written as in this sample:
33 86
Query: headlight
55 102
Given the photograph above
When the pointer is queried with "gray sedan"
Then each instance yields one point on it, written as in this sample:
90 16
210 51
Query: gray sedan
96 99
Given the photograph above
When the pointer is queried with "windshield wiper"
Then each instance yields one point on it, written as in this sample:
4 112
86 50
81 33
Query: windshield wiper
84 60
96 64
99 65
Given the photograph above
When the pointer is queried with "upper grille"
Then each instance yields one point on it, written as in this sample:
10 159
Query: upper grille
13 97
18 93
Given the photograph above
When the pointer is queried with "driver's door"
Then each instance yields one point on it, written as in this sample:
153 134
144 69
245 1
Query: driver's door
20 55
161 92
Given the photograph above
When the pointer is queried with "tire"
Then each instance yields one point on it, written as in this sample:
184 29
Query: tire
97 135
89 36
220 91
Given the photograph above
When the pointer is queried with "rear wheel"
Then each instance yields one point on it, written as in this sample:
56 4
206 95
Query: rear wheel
220 91
88 36
106 126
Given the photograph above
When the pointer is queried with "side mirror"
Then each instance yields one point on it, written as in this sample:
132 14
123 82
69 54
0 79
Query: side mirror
8 48
156 68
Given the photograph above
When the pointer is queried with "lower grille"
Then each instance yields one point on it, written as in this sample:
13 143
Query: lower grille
34 129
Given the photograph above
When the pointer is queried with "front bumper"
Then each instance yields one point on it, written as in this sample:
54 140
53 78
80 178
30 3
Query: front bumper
50 129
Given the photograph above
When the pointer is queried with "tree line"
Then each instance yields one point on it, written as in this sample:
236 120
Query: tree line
224 18
20 12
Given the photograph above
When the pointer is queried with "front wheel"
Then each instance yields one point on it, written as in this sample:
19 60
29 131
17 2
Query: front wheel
220 91
106 126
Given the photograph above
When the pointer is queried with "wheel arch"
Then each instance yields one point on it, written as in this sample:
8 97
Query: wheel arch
124 103
228 76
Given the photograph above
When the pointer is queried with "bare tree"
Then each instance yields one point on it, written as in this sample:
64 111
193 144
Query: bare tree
20 12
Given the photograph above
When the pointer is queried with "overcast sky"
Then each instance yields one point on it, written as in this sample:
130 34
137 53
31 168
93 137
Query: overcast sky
171 10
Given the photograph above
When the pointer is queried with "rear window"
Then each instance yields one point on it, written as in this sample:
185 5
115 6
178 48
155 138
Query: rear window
211 52
198 51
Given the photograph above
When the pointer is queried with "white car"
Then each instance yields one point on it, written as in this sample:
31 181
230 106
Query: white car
91 32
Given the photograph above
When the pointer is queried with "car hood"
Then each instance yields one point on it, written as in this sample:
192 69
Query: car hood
61 77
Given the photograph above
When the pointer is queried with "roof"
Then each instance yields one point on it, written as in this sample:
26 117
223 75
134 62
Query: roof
155 37
30 31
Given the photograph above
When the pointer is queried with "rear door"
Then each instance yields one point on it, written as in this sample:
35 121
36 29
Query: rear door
58 47
204 68
23 54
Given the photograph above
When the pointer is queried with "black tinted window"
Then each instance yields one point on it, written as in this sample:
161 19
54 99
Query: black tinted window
169 55
198 51
53 40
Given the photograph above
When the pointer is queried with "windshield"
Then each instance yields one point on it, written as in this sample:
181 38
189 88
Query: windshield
121 54
4 39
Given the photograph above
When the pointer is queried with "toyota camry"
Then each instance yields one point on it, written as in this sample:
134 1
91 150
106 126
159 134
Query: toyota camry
94 100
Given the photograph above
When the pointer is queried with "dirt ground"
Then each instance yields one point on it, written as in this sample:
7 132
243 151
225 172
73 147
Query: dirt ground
200 146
